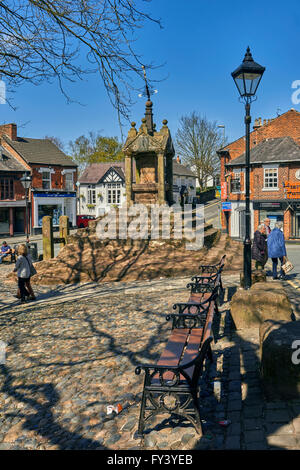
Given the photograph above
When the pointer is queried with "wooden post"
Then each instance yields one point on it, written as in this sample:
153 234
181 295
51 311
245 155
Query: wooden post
63 229
47 231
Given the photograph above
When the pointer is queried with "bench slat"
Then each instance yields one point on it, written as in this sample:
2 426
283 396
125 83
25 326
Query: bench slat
192 349
172 353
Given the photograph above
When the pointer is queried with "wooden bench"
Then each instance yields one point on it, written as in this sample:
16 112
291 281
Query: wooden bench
171 385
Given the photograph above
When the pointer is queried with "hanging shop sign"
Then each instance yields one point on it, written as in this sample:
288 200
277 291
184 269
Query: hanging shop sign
224 190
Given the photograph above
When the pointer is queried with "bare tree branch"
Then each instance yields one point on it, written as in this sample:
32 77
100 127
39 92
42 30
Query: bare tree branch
42 40
197 141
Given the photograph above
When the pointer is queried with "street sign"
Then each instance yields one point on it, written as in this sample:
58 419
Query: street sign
226 206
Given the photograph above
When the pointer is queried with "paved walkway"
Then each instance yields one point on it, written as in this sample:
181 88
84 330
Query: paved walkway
73 352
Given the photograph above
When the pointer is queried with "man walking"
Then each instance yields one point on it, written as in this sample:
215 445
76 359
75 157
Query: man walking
267 225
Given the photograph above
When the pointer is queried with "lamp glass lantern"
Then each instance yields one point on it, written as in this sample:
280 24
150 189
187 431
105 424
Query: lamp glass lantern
248 76
26 181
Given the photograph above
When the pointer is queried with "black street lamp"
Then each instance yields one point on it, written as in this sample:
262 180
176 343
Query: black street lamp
26 182
247 78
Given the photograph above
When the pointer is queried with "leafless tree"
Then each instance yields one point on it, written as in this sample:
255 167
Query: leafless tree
57 141
197 141
42 40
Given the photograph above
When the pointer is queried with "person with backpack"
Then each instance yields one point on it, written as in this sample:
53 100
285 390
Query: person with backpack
25 270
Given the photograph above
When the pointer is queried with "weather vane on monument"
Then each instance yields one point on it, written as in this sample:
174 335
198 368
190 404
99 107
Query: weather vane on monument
148 91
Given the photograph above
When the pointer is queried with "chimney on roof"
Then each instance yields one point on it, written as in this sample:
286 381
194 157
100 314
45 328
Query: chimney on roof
257 123
10 130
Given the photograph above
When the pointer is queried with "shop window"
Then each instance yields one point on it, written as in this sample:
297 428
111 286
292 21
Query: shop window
53 210
235 184
6 188
271 178
46 179
69 186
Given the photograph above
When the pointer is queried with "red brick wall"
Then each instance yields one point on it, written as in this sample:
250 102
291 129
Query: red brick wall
57 179
288 124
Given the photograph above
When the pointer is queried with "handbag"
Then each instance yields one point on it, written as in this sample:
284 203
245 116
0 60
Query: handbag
287 266
32 269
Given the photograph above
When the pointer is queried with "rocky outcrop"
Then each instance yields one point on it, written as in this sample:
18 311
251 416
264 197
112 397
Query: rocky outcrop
263 301
280 359
87 258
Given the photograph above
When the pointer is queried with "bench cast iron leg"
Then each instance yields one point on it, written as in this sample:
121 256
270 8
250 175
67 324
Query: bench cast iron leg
140 432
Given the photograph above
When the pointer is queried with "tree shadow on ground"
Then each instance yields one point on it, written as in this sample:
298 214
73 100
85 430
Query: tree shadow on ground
42 421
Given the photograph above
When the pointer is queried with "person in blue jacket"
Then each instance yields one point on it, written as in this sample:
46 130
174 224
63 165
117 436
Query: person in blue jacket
276 248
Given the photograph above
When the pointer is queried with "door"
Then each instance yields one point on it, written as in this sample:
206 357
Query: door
19 221
296 231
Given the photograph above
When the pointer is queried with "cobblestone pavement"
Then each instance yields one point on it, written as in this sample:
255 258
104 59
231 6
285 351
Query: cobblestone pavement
74 351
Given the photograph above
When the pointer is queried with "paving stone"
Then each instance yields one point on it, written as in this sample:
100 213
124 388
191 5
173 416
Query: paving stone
296 424
254 436
282 441
252 411
252 423
278 416
233 442
279 428
233 429
256 446
235 405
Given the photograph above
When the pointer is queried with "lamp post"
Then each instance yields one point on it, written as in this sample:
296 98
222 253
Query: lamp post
247 78
78 197
26 182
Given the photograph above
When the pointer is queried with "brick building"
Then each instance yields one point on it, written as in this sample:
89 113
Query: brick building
53 190
274 176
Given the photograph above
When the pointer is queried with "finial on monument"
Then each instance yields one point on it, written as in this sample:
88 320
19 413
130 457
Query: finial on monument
148 113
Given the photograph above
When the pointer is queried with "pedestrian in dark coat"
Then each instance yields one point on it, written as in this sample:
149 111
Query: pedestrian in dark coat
277 249
259 247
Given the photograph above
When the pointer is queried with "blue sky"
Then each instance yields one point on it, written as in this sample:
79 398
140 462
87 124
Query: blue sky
201 43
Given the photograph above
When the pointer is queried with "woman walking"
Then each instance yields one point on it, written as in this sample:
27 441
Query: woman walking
24 268
259 247
277 249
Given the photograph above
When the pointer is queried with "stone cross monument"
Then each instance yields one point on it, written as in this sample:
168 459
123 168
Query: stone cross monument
149 155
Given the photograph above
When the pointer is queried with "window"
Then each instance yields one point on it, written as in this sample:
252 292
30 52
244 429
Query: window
235 185
271 178
6 188
91 194
69 181
46 179
113 193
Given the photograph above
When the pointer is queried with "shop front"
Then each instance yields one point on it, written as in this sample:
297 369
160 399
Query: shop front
12 218
53 204
271 210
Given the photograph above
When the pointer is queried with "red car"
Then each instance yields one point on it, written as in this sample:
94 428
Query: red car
83 220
